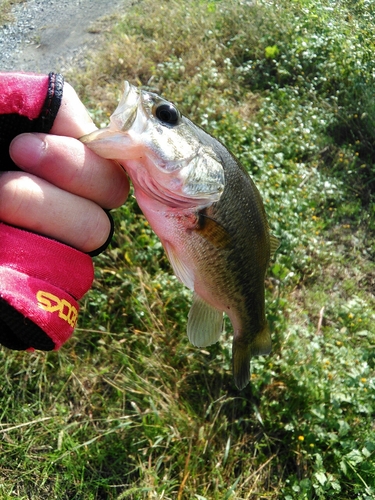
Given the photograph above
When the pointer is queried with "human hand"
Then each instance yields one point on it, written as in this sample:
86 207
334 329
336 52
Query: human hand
63 186
60 192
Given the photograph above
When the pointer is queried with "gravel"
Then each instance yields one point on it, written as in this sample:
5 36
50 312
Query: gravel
52 35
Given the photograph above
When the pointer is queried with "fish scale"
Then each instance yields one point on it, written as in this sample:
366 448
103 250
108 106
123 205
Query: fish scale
207 212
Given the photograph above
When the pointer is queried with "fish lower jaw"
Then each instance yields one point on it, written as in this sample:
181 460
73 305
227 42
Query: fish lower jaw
169 197
169 203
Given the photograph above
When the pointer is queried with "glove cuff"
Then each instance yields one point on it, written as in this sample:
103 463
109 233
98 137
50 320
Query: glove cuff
31 95
42 280
28 103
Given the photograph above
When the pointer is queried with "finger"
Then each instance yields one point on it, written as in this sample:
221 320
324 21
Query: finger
72 119
70 165
32 203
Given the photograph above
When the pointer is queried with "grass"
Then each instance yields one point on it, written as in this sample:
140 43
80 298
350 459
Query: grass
128 408
5 10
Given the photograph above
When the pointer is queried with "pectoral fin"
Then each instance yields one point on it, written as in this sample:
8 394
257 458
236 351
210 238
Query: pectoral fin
205 323
212 231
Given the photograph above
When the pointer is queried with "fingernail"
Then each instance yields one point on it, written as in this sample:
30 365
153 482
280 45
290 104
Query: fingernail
26 150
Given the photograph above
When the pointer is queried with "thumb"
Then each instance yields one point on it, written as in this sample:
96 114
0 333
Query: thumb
72 120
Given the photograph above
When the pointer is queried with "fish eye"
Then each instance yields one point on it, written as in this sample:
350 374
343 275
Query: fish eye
167 113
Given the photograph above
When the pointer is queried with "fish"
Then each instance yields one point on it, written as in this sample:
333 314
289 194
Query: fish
207 212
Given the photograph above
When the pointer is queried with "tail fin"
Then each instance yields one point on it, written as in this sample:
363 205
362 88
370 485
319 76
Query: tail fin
242 352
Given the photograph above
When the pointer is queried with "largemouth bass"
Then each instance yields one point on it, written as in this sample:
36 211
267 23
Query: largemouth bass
206 211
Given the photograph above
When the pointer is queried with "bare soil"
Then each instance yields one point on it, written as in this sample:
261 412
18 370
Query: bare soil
53 35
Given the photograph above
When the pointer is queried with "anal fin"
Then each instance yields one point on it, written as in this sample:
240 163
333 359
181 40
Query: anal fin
205 323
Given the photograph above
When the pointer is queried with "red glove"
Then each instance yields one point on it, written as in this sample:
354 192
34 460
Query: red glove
40 279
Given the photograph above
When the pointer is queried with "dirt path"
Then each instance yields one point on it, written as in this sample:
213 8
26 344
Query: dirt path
51 35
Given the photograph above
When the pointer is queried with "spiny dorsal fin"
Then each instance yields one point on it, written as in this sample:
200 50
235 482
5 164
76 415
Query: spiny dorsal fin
205 323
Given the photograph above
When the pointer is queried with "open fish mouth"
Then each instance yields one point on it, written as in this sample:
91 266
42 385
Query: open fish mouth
126 111
120 122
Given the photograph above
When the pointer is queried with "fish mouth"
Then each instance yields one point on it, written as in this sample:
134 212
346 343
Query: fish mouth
100 136
120 122
114 142
121 145
125 114
111 144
